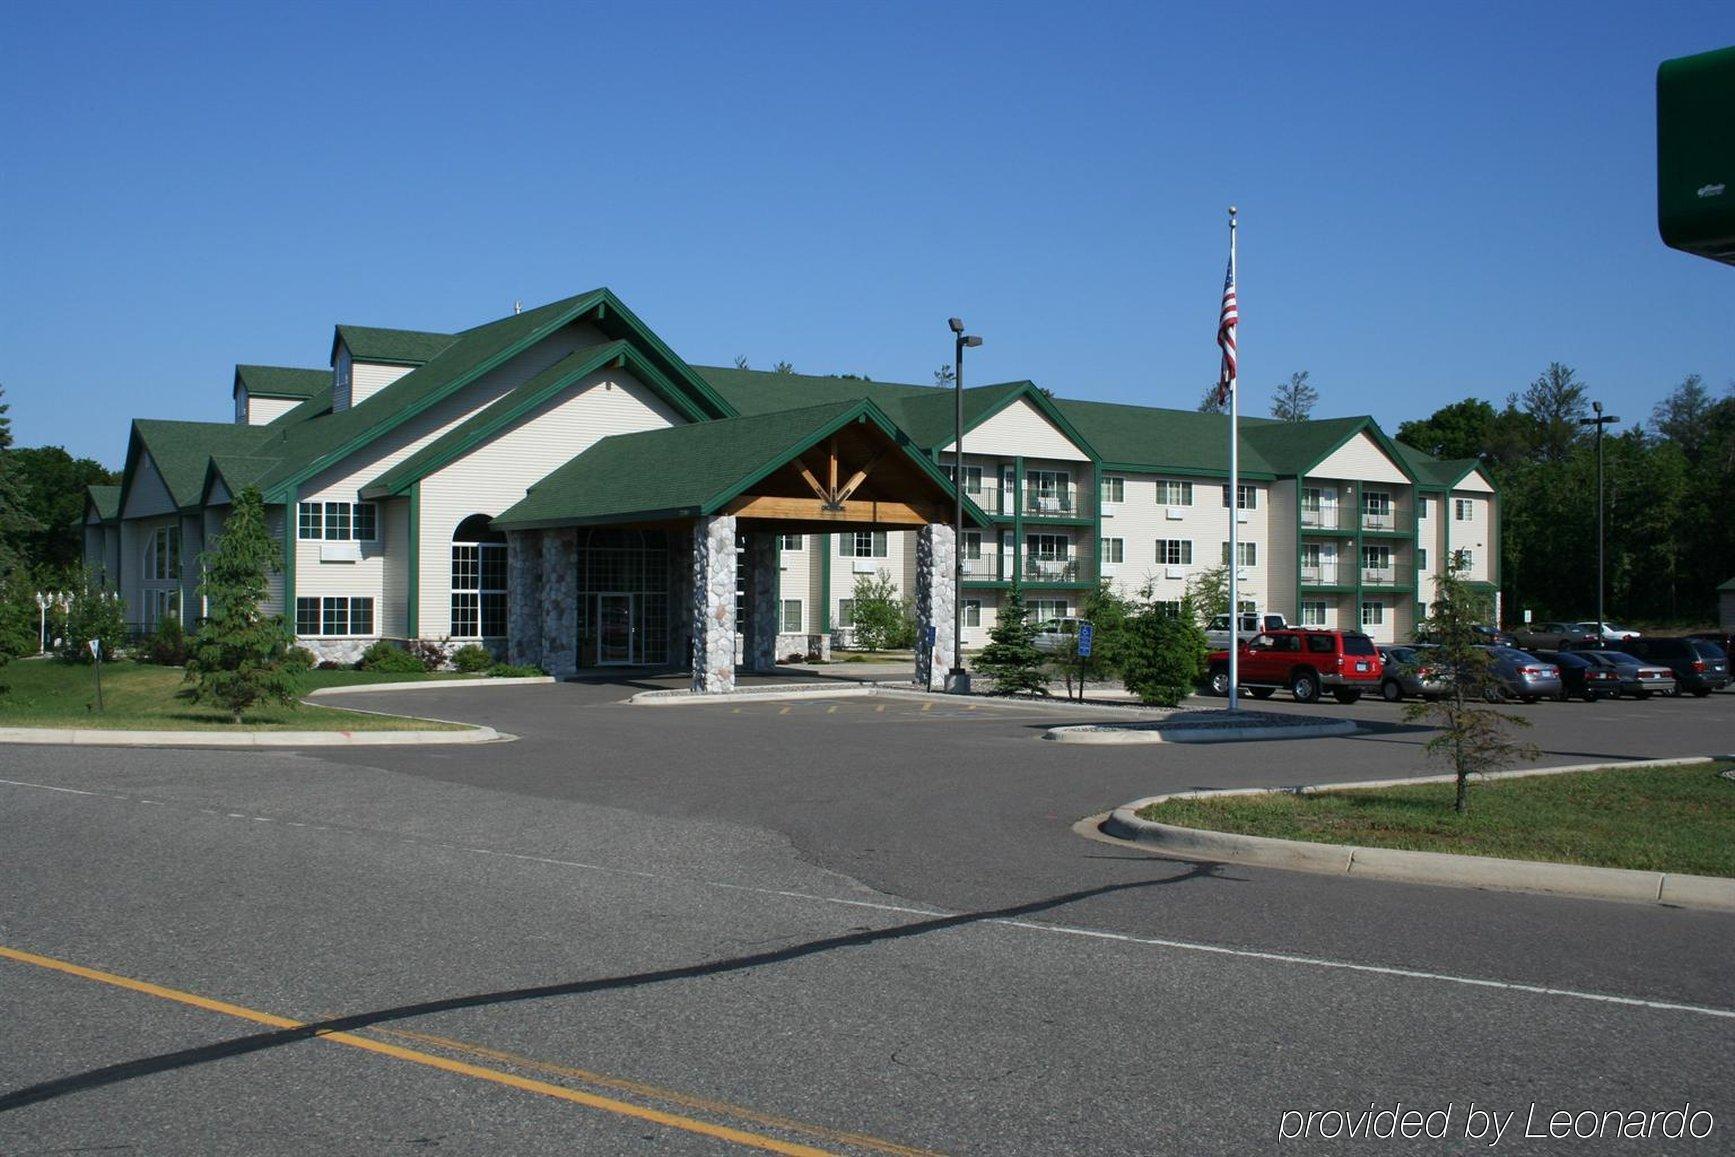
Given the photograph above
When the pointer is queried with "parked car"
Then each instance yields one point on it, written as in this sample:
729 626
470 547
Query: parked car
1485 636
1554 636
1252 622
1723 640
1521 675
1407 672
1610 632
1700 667
1057 636
1306 662
1597 674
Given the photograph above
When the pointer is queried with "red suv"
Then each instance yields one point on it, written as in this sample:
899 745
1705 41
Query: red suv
1305 662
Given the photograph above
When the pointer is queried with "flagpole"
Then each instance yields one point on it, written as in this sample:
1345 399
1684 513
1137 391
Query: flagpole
1234 491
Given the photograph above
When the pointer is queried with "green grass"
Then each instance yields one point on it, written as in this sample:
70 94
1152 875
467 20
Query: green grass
1673 819
137 696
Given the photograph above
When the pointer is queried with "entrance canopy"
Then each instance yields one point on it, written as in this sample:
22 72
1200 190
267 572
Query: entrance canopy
838 466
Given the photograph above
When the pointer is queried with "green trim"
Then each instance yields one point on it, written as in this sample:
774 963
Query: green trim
1050 519
1005 584
396 481
1044 404
413 613
1018 518
290 513
1184 471
1380 439
824 541
1096 523
1298 479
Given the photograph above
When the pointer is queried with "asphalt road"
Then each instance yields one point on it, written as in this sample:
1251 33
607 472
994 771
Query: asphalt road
857 926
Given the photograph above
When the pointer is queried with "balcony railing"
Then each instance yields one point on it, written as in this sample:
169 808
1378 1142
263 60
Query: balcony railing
1040 502
1050 570
1379 576
1379 520
1326 518
1322 575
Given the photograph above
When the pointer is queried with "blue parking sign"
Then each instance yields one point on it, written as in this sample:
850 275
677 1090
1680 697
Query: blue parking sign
928 636
1085 631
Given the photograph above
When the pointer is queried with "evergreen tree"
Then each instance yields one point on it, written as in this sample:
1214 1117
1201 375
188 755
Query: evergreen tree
240 655
15 520
1164 656
1212 401
1011 659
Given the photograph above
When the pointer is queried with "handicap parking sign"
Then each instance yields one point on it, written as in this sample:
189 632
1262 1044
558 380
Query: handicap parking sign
928 636
1085 631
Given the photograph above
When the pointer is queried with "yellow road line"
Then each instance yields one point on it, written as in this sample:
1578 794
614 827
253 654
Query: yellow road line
785 711
832 710
462 1068
687 1100
880 709
928 706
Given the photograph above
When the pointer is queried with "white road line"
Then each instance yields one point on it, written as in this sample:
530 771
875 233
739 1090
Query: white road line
1024 925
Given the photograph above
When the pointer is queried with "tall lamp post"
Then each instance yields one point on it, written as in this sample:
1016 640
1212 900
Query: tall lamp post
1599 422
958 679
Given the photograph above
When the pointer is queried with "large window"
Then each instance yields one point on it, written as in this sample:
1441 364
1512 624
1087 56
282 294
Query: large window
972 477
1174 493
792 616
1114 489
862 544
338 521
1421 506
161 604
789 542
163 554
1373 614
972 612
478 580
334 616
1114 550
1175 552
846 613
1422 559
972 544
1246 497
1313 614
1049 547
1249 552
1042 610
1463 509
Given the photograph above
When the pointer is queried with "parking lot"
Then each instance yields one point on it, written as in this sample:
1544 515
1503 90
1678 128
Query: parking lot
845 925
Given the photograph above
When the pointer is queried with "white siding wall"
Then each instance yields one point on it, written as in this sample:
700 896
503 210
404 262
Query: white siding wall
795 582
1280 564
263 411
1475 534
1141 521
496 475
343 482
1360 458
1021 429
369 378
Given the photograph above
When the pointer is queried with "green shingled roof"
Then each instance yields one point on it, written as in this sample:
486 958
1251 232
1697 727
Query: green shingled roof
182 451
407 347
281 381
1432 471
691 470
106 499
238 471
1147 438
1728 586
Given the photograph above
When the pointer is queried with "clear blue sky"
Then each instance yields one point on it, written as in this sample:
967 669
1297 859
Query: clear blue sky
1436 201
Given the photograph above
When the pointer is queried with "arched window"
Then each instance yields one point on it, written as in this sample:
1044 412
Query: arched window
478 580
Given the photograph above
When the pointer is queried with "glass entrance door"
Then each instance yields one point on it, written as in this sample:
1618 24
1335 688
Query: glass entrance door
614 643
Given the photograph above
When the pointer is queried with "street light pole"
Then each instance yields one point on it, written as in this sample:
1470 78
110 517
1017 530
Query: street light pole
959 680
1599 422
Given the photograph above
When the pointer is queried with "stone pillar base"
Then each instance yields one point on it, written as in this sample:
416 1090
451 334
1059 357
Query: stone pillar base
714 605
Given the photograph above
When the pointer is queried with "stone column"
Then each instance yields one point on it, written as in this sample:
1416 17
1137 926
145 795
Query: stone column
762 562
936 561
560 602
680 569
524 597
714 604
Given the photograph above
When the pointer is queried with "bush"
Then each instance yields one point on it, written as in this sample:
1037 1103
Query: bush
166 646
390 658
1164 658
431 655
94 614
472 658
883 621
301 659
331 665
510 671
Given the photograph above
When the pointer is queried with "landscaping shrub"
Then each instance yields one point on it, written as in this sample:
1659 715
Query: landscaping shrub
1164 658
331 665
166 646
93 614
511 671
431 655
389 657
472 658
301 659
883 621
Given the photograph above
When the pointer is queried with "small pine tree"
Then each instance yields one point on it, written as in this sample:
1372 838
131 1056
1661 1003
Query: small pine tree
240 655
1011 659
1473 736
1164 656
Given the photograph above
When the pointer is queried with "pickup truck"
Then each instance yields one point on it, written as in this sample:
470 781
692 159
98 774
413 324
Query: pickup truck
1252 622
1346 662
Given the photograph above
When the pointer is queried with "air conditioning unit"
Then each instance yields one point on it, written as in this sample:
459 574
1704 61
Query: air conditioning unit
1241 515
1242 574
864 566
340 552
1175 572
1175 514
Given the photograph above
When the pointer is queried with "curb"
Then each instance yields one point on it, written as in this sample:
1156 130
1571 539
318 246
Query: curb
429 684
1675 888
102 737
770 693
1181 733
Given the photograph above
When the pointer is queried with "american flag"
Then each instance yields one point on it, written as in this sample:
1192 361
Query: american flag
1226 336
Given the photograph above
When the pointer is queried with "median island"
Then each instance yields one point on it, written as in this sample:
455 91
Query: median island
1677 818
146 697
